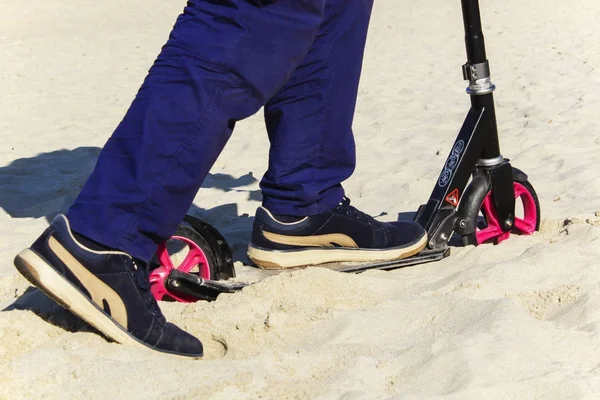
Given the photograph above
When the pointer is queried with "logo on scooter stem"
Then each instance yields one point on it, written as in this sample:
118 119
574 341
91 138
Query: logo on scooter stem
451 163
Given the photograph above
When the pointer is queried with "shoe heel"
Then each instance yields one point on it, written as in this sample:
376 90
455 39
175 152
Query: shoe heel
37 271
25 263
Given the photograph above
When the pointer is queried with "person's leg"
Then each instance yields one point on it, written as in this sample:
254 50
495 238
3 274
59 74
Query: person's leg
305 219
223 61
309 120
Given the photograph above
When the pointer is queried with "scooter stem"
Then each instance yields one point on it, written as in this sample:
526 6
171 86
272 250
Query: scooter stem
473 32
477 72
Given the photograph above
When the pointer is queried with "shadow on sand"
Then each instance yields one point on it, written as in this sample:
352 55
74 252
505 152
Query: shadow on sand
47 184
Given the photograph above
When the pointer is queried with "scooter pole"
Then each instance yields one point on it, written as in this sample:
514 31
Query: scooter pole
477 72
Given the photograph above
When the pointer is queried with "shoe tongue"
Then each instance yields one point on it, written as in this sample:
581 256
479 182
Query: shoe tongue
344 205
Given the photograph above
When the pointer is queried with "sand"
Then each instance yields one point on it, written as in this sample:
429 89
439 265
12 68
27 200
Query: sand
520 320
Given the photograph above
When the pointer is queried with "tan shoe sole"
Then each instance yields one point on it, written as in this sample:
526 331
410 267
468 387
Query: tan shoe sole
270 259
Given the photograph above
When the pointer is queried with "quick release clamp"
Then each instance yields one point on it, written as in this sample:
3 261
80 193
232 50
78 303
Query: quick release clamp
479 79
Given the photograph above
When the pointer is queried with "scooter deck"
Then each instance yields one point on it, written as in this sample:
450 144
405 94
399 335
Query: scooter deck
203 289
421 258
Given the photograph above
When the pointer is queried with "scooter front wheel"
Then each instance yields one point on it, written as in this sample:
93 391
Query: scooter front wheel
527 215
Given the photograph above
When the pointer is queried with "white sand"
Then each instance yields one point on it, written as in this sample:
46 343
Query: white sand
518 320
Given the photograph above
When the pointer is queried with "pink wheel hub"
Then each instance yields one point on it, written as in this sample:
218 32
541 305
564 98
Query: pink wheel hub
525 225
194 257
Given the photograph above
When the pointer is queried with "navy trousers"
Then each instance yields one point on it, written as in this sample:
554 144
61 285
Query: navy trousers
224 60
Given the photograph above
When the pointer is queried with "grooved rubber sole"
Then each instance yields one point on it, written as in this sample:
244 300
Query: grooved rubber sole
274 259
37 271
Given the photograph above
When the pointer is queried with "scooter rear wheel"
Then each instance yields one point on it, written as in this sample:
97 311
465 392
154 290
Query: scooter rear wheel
186 251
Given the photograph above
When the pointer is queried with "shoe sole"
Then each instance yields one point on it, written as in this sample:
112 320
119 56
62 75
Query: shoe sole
37 271
277 259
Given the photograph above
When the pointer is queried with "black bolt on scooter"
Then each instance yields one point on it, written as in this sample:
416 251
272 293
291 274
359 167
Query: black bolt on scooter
480 212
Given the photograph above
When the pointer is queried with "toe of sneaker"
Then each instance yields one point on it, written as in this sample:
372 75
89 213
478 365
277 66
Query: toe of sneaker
176 340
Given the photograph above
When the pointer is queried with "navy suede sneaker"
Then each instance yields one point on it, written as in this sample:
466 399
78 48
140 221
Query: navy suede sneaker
342 234
107 289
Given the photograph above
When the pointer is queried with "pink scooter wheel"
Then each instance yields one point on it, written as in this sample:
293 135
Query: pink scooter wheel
526 225
195 258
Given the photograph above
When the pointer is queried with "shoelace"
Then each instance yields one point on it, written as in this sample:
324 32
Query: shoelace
142 273
349 210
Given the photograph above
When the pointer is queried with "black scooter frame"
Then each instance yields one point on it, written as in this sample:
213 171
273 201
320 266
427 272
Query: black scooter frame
475 153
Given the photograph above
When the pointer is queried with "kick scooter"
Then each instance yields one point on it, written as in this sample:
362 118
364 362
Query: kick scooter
475 179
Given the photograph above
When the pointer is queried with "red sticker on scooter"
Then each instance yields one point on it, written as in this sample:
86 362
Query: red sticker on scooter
452 198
